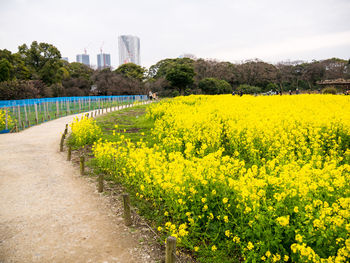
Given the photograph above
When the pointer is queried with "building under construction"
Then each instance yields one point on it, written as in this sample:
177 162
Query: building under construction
129 49
103 60
84 58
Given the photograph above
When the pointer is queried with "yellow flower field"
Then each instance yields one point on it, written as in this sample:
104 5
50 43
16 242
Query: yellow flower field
84 131
245 178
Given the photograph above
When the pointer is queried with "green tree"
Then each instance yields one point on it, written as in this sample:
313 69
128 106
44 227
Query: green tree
132 70
18 68
214 86
5 70
162 67
180 76
79 70
44 61
21 71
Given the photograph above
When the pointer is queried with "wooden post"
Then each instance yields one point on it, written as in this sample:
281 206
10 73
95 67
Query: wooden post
170 250
47 111
19 114
6 119
127 212
36 114
57 110
69 154
82 165
62 141
100 183
29 112
25 113
66 130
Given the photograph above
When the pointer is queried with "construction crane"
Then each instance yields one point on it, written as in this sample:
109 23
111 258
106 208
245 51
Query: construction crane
102 46
85 48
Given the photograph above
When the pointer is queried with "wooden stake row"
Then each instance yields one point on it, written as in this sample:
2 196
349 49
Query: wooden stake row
170 249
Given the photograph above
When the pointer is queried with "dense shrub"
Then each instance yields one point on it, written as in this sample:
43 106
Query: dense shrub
214 86
247 89
25 89
329 90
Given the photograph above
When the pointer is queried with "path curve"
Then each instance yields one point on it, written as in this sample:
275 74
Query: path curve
48 213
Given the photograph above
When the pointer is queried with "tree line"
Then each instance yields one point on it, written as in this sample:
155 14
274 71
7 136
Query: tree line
39 71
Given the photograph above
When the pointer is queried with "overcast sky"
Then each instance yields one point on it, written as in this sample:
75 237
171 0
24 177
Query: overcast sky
227 30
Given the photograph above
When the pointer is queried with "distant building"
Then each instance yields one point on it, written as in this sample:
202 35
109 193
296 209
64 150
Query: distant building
103 61
65 58
129 49
83 58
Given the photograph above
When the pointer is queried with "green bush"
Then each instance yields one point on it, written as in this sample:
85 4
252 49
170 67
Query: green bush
329 90
247 89
214 86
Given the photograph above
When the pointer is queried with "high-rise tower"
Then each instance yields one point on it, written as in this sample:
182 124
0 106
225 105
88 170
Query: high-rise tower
83 58
103 61
129 49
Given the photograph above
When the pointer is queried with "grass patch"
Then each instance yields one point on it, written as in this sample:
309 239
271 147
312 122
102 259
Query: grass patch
132 123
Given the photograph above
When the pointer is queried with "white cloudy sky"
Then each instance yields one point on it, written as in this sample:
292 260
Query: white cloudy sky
228 30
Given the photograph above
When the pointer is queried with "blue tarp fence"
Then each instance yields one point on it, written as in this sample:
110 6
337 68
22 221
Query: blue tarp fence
20 114
11 103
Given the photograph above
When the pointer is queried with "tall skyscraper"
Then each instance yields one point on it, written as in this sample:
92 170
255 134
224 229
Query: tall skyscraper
83 58
129 49
103 61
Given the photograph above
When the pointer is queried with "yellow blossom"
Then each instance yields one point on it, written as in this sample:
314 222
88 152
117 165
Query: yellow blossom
250 245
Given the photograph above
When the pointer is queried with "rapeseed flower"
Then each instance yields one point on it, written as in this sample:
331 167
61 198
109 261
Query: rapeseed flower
277 162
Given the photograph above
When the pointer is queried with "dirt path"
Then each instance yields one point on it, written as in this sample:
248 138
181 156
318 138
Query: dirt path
48 213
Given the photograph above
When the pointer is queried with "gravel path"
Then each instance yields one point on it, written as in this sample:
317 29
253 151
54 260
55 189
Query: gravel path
48 213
